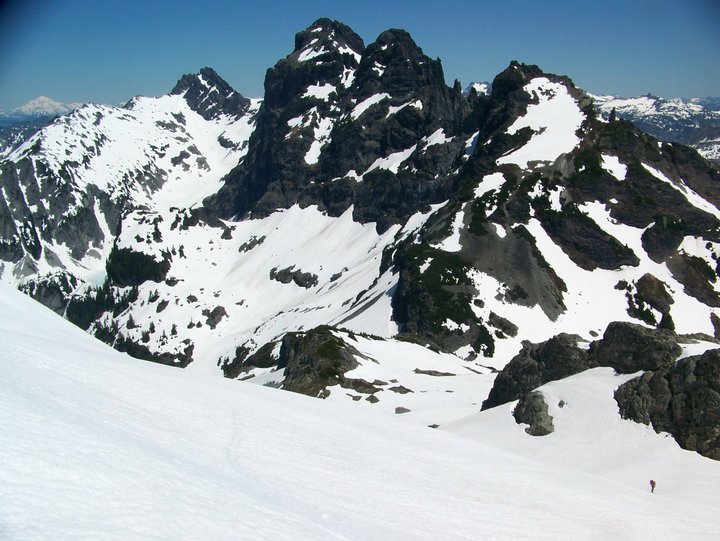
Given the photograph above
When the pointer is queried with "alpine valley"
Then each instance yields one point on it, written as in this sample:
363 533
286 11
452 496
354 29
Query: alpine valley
371 236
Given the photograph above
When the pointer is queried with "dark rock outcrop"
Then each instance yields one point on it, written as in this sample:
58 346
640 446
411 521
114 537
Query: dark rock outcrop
628 348
317 359
314 136
682 399
532 410
537 364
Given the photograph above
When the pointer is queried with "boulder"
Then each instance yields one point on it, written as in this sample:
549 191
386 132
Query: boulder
629 347
532 410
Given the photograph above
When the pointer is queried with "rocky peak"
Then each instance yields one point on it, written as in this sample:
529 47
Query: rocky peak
395 64
330 36
513 78
210 95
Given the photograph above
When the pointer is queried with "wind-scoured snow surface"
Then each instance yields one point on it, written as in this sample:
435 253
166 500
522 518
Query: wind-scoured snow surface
98 446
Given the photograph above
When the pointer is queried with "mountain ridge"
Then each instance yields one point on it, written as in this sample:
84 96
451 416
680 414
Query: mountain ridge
361 196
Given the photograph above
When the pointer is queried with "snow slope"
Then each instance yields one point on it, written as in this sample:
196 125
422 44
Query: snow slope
98 446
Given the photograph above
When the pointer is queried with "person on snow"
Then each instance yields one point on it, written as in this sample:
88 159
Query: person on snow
652 485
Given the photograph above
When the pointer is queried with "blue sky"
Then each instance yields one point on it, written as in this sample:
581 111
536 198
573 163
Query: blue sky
109 50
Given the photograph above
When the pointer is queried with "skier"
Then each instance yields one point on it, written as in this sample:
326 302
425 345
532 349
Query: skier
652 485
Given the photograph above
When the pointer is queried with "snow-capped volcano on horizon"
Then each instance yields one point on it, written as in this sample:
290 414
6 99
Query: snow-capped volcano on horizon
41 106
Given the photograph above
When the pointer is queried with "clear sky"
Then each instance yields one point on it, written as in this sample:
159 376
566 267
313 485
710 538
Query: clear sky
110 50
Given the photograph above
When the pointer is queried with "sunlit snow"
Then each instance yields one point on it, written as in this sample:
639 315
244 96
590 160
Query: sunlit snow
99 446
554 120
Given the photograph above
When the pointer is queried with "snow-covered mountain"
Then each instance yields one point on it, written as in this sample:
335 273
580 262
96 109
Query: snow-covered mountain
694 122
97 446
367 234
40 107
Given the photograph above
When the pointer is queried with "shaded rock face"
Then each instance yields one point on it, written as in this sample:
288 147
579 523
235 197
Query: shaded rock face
317 133
628 348
532 410
536 365
683 400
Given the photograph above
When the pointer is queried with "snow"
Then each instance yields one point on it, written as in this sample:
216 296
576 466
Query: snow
393 161
364 105
480 88
470 144
44 106
320 92
378 68
112 148
233 271
438 137
310 53
493 181
590 437
692 197
591 300
347 77
554 119
417 104
322 136
452 243
97 445
613 166
343 49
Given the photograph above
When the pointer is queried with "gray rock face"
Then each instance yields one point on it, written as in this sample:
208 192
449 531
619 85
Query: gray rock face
628 348
536 365
533 410
683 400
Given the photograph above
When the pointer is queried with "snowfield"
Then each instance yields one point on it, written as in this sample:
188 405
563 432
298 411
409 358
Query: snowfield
96 445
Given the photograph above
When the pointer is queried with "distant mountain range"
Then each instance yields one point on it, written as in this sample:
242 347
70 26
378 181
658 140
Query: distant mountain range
694 122
22 122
